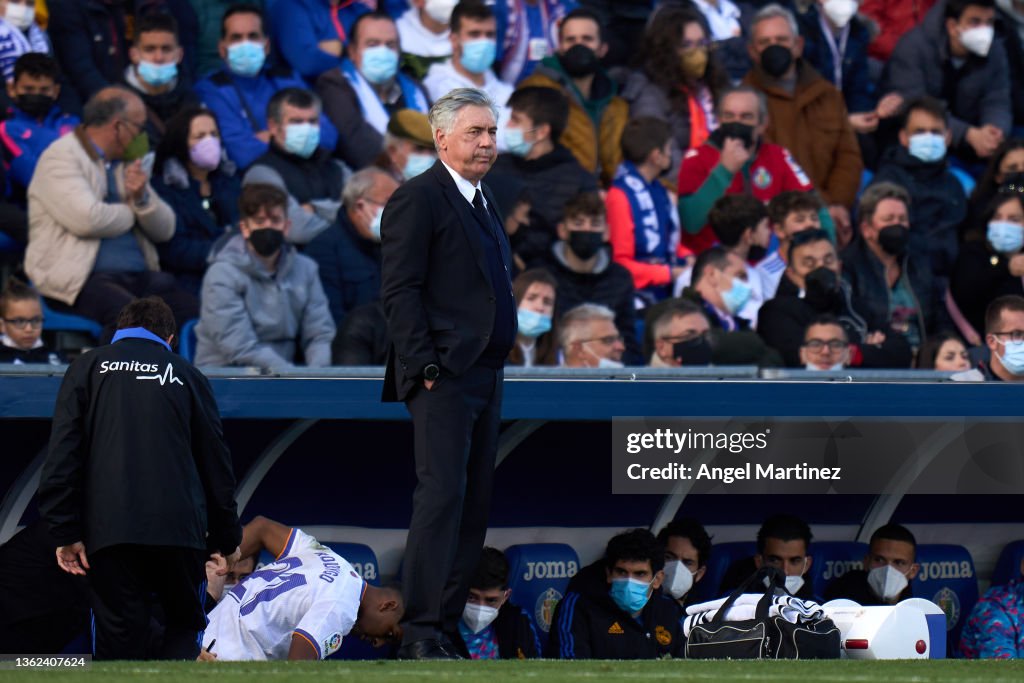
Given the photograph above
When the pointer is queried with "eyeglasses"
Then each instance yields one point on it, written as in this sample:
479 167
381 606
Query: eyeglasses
610 340
24 323
137 126
832 344
693 44
1014 335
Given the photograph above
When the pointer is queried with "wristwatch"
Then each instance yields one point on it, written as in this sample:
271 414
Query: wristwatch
431 372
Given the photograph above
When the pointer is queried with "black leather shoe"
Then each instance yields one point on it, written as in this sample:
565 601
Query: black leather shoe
430 648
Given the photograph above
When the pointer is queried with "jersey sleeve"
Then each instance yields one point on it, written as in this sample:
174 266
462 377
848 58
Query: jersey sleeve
794 177
329 620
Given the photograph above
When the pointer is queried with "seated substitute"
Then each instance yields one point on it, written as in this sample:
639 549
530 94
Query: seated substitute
889 570
783 542
995 629
687 552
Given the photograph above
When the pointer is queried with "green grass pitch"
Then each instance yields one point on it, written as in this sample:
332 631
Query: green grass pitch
938 671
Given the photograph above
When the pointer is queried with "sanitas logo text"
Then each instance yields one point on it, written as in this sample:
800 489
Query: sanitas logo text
127 366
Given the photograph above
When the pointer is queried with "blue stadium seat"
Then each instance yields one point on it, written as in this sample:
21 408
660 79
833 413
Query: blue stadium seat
948 579
832 559
1008 564
538 576
187 340
722 557
965 179
67 322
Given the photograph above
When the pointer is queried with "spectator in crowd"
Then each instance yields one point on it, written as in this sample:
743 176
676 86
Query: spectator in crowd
262 301
681 334
1006 167
679 81
362 93
919 165
890 568
720 286
94 217
527 33
619 620
589 338
894 20
584 269
239 92
21 325
1004 337
347 253
643 222
687 552
473 49
734 160
492 627
88 38
1010 31
783 542
624 22
20 35
298 163
740 222
952 56
193 175
945 352
995 629
424 31
535 291
408 147
806 113
825 346
726 23
891 284
312 35
362 338
34 120
515 203
597 114
209 19
154 73
790 213
991 263
546 169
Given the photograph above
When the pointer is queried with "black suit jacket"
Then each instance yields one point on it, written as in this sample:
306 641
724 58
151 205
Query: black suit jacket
435 284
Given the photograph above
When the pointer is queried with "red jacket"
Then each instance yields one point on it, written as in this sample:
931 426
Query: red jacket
894 18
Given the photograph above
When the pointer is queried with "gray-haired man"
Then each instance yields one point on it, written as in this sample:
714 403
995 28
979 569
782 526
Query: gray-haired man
451 315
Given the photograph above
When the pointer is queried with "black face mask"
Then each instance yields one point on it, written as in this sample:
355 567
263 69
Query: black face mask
36 106
1013 179
266 241
756 253
821 290
585 243
733 129
776 60
579 61
696 351
894 239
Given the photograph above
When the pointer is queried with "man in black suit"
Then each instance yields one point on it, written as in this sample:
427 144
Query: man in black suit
451 315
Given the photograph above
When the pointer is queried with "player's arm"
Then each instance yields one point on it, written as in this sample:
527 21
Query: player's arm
301 648
262 533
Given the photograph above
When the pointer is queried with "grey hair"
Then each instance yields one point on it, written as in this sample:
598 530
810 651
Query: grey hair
444 111
575 318
774 11
359 183
106 105
762 100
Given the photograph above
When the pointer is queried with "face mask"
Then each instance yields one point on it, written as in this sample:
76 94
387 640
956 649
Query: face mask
815 368
928 147
733 129
776 60
157 74
893 239
266 241
696 351
887 582
978 40
1005 237
375 223
678 579
1015 179
478 55
206 153
137 148
585 243
756 253
301 139
736 296
821 289
579 61
840 12
380 64
36 106
516 143
609 364
21 16
533 324
794 584
694 63
1013 356
440 10
246 58
416 164
478 617
629 594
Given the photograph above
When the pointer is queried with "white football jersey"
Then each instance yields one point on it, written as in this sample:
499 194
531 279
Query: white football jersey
309 590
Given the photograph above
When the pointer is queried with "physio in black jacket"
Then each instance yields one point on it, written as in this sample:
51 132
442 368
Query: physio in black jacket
137 487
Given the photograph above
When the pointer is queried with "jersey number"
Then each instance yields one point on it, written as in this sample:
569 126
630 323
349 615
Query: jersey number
279 579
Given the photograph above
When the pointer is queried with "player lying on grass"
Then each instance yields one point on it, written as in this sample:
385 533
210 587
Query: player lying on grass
299 607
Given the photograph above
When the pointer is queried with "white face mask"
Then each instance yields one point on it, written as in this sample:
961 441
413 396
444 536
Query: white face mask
440 10
812 366
605 362
678 579
840 12
793 583
887 582
478 617
978 40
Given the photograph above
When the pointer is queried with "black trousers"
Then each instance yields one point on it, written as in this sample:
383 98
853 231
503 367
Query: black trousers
105 294
456 443
126 582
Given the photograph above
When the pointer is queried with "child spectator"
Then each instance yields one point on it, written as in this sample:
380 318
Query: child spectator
22 325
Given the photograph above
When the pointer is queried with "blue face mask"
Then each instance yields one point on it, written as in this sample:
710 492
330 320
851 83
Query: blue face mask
380 63
478 55
928 147
532 324
416 164
246 59
737 296
302 139
515 143
375 225
1012 357
1005 237
157 74
629 594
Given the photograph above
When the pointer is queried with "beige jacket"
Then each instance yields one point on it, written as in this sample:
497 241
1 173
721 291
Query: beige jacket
68 217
